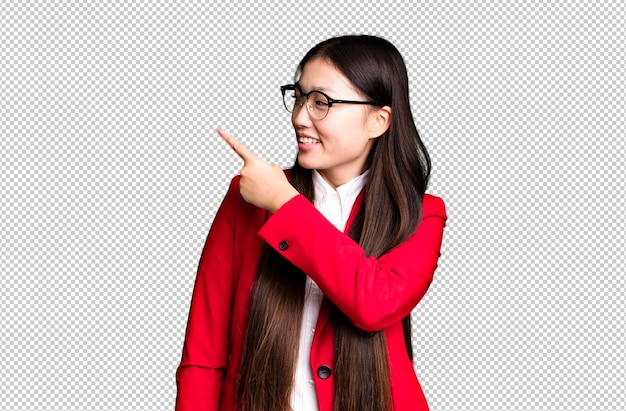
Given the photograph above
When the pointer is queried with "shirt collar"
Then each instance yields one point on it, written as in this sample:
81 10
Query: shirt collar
348 191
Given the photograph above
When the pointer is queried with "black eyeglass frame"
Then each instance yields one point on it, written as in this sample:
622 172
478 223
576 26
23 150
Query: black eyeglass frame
331 101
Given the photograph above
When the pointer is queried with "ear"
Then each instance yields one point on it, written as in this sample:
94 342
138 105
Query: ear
379 121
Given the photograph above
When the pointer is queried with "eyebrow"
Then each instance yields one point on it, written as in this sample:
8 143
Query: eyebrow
318 88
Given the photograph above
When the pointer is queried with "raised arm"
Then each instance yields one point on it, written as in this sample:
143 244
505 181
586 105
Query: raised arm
373 293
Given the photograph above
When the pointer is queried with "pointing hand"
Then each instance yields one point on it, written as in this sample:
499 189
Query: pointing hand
262 184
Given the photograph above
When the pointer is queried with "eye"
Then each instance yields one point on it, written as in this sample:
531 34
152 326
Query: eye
319 100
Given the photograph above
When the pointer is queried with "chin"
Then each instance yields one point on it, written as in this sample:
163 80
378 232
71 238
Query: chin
306 164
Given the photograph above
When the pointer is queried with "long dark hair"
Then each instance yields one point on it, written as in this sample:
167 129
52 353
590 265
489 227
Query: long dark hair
399 170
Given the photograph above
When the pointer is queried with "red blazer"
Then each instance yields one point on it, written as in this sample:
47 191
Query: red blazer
374 293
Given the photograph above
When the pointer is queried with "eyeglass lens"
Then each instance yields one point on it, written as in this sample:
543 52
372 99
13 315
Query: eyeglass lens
317 103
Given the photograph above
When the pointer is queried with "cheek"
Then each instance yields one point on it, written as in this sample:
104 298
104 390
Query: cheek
349 132
353 137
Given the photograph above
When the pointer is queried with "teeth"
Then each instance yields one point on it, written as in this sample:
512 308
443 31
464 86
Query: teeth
307 140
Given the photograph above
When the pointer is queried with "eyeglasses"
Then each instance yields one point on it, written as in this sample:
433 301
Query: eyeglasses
317 103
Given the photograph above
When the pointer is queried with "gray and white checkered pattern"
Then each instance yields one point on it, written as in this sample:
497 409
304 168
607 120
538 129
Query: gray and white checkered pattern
111 173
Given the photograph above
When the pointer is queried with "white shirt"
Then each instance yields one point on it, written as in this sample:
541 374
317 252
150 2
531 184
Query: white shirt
335 205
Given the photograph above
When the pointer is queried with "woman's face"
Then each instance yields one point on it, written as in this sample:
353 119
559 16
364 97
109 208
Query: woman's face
338 145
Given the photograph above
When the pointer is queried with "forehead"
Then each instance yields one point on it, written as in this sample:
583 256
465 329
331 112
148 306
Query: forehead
320 74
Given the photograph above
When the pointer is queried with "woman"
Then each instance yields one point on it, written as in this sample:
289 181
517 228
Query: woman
308 276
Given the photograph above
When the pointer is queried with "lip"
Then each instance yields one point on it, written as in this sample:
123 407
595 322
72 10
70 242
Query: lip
307 146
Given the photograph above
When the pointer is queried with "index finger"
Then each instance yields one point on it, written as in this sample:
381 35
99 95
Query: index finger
241 150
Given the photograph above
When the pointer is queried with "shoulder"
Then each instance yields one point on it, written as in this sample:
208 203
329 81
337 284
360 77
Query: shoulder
433 206
233 188
239 210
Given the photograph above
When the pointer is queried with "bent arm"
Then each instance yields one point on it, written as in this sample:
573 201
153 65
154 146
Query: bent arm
373 293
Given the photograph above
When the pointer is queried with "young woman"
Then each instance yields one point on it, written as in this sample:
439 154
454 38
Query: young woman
308 276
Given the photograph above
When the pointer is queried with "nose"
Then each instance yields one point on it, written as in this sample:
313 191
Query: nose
301 117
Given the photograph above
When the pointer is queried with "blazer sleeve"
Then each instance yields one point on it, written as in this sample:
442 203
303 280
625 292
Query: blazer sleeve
373 293
207 340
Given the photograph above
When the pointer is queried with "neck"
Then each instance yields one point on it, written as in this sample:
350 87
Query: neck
338 179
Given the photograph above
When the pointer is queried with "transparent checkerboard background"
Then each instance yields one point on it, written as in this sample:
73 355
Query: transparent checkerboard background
111 174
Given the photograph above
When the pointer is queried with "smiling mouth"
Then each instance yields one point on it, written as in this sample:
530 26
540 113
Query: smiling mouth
307 140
